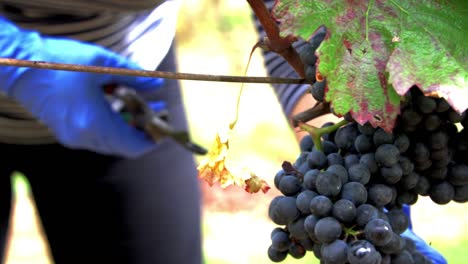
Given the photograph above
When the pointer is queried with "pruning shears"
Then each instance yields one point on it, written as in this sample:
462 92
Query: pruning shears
137 112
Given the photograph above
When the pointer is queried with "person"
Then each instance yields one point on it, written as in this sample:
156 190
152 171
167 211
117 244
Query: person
296 98
104 192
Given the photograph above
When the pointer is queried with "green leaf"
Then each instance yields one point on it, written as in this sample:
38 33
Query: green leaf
375 51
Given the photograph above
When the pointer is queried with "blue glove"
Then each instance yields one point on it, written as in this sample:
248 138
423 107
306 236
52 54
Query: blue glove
72 104
420 244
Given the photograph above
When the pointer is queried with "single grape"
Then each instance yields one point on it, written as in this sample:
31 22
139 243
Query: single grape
307 54
439 154
406 165
402 142
316 159
363 252
398 220
378 232
359 173
279 175
442 106
335 252
410 118
350 160
280 241
420 152
395 245
432 122
355 192
307 243
310 73
454 117
345 136
363 144
275 230
392 174
320 205
340 171
407 197
328 147
318 90
309 179
327 229
365 213
437 173
335 159
368 160
380 194
318 37
283 210
382 137
328 184
309 225
426 104
275 255
344 210
442 193
289 185
296 228
459 175
306 144
409 181
366 129
296 250
303 200
461 194
423 186
387 155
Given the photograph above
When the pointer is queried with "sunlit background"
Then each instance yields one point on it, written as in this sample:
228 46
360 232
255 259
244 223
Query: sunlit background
215 37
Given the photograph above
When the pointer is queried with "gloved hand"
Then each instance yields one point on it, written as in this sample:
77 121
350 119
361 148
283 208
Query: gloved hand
420 244
72 104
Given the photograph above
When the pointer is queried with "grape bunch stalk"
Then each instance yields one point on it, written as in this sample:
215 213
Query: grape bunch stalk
345 195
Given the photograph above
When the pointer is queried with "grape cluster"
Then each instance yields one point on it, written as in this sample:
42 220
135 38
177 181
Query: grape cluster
438 149
344 202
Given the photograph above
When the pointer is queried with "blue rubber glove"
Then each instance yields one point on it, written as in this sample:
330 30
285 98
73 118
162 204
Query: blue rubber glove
72 104
420 244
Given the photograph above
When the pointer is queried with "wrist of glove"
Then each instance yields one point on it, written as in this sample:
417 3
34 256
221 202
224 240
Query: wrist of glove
72 104
420 244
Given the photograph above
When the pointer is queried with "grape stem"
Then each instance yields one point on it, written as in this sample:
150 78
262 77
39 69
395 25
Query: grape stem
317 132
349 231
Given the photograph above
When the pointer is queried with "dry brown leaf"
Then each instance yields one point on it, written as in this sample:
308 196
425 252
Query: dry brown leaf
213 169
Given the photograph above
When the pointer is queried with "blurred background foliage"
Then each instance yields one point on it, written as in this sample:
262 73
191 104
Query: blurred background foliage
216 37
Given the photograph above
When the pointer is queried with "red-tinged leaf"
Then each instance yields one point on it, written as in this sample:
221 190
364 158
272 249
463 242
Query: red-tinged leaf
375 51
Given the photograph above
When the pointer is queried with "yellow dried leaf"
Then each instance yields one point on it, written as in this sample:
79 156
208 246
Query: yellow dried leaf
213 169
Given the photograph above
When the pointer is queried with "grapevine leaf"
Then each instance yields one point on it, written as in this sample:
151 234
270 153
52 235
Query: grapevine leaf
376 50
214 168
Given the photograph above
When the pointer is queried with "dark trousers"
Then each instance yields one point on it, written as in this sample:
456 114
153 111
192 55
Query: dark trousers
102 209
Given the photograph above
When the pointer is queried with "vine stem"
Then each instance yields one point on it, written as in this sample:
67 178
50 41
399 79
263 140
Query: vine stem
146 73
